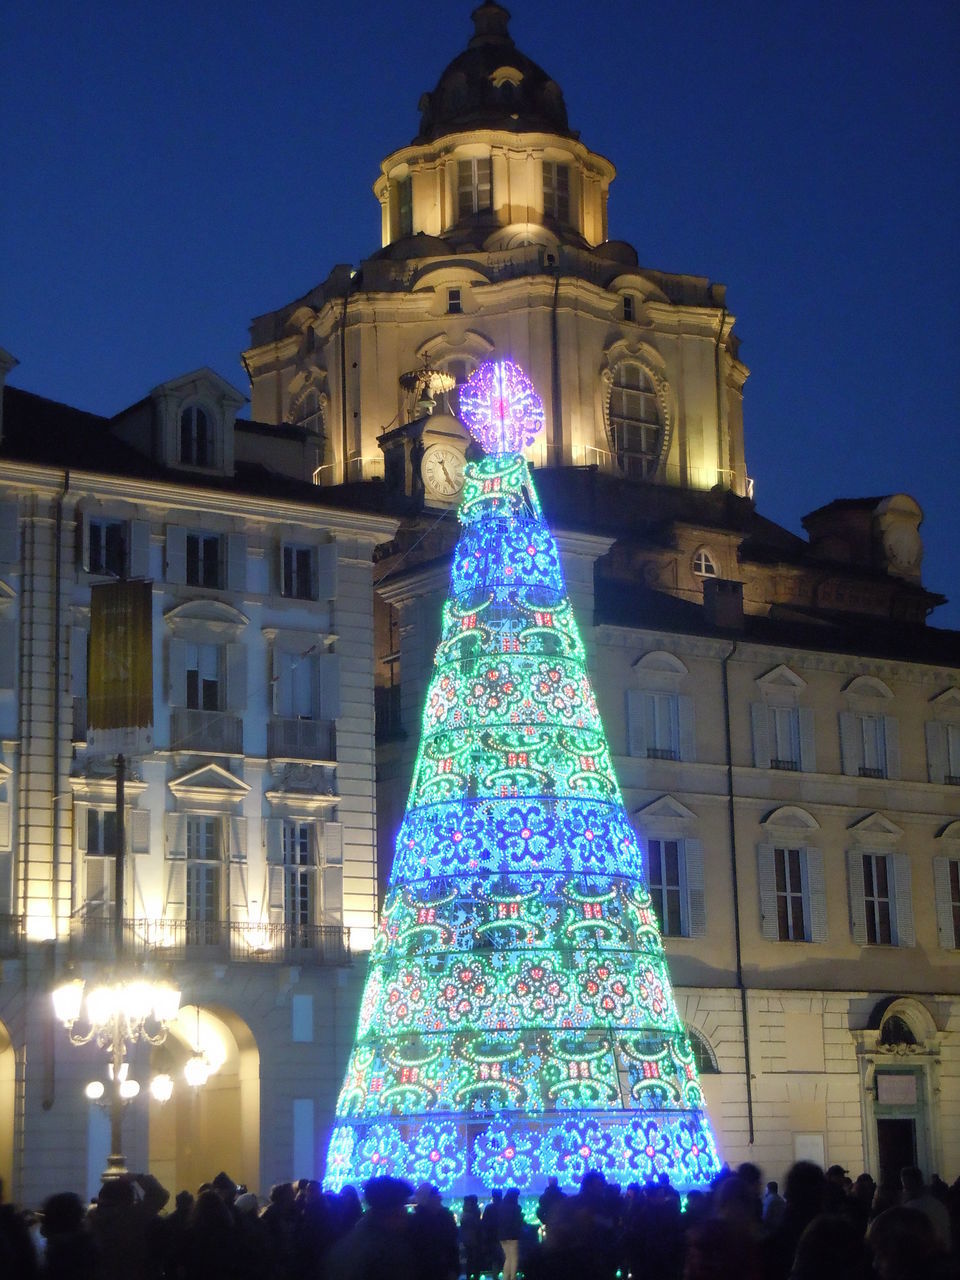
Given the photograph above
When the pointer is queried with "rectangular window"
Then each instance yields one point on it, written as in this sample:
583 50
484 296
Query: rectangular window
203 677
204 847
784 729
474 187
628 311
873 751
664 726
556 191
195 438
952 746
877 898
102 832
203 560
791 921
405 207
664 858
454 302
953 870
299 572
107 549
299 876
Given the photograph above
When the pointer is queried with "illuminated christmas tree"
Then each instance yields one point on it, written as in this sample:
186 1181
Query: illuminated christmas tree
517 1020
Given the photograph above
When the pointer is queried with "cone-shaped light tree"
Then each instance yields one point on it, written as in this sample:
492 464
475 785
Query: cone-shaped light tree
517 1020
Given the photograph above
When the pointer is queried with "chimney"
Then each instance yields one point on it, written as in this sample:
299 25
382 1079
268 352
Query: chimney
723 603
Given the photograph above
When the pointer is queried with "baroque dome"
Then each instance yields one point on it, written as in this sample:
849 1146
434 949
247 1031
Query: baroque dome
492 85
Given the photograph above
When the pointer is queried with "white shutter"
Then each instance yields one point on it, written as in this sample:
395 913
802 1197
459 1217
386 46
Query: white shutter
83 541
237 562
175 903
858 909
6 884
326 561
275 893
239 903
328 686
78 662
685 716
769 923
273 837
332 906
808 751
139 560
903 904
100 876
851 756
9 530
936 735
696 901
176 568
237 838
175 832
816 895
332 843
177 672
282 679
635 742
8 652
138 830
5 834
760 720
941 889
236 677
891 737
80 829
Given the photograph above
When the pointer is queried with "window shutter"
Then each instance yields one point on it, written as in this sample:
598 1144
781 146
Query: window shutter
941 889
891 737
176 835
685 714
816 895
635 743
239 903
273 836
808 751
237 562
176 569
858 910
236 677
80 827
8 652
332 843
138 830
5 834
936 735
100 881
332 907
177 672
906 935
761 735
78 662
281 681
769 924
83 541
275 893
328 685
326 560
139 560
9 531
6 884
175 906
237 839
850 754
696 902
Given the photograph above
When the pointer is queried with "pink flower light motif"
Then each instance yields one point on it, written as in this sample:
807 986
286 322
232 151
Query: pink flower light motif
500 407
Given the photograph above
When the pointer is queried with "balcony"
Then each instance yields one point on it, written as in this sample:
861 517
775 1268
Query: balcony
92 938
207 731
299 739
11 936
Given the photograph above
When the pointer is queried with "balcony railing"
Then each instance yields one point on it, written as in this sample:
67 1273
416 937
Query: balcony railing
92 938
11 935
205 731
297 739
866 772
662 753
791 766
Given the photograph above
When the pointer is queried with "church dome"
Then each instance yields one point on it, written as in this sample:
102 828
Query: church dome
492 85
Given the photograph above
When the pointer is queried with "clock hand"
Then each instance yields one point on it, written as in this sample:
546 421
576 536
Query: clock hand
443 468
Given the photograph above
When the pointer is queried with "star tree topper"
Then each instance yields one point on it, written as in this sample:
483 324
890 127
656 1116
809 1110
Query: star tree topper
500 407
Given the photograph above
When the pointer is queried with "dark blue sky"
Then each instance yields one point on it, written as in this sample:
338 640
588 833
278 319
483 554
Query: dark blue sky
170 171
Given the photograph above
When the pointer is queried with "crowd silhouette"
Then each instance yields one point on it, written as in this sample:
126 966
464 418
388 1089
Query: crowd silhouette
822 1227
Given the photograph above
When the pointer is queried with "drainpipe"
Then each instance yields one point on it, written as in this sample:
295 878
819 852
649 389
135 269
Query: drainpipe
557 417
57 678
716 367
343 380
732 826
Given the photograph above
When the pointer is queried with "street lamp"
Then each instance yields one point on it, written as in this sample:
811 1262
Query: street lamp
114 1015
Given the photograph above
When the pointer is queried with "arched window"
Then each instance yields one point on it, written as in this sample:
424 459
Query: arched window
704 565
196 437
703 1055
636 429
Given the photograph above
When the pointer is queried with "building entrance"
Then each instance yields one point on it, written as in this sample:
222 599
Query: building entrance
896 1148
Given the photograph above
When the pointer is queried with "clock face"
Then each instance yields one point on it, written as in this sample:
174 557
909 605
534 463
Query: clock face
442 471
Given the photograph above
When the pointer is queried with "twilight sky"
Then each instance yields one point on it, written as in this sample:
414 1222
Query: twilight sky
170 171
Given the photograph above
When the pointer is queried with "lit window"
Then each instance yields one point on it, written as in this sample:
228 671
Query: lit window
877 898
474 187
454 302
704 565
635 427
556 191
196 437
203 874
203 560
106 547
299 572
405 206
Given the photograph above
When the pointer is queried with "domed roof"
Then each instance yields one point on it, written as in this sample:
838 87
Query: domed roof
492 85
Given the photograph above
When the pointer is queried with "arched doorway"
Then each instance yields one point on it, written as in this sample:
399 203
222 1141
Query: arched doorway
8 1099
211 1126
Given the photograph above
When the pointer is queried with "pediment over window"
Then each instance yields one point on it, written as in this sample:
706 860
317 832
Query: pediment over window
209 615
876 827
660 661
471 345
948 701
781 680
664 809
868 687
209 782
791 817
950 832
7 596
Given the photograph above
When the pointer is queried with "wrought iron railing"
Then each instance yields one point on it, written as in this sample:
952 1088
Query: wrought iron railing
302 739
11 935
205 731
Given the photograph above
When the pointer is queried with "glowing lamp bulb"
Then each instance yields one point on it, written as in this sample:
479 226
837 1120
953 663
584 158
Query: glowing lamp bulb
94 1090
500 407
196 1072
161 1088
129 1089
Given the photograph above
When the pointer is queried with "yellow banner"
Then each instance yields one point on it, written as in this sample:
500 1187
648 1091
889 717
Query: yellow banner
120 667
